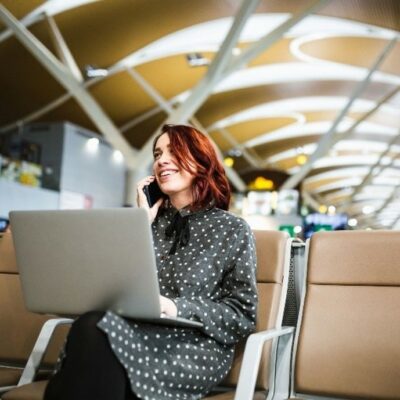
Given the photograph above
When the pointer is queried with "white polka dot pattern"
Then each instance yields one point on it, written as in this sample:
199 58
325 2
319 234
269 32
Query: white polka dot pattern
212 280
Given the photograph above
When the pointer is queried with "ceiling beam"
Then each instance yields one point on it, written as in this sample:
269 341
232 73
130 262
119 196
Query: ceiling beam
51 8
272 37
372 173
150 90
327 140
256 163
342 135
244 58
203 89
392 197
62 49
395 222
69 82
216 69
201 92
381 209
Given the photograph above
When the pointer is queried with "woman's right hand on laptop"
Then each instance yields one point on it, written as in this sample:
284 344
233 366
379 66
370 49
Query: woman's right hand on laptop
142 200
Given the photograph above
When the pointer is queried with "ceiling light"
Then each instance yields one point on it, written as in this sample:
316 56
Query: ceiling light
235 152
236 51
196 60
352 222
301 159
297 229
368 210
331 210
95 72
117 156
261 183
92 145
322 209
229 161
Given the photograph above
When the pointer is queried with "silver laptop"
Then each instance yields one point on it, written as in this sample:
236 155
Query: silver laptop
73 261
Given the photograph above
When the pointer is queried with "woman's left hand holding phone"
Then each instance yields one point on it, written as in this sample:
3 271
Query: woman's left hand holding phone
142 199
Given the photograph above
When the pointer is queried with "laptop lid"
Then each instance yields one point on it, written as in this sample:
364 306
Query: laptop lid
73 261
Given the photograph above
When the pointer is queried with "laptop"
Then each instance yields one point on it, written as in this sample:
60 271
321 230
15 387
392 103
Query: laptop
74 261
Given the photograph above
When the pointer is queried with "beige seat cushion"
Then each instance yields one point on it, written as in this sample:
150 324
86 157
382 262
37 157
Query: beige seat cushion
19 328
33 391
22 327
348 345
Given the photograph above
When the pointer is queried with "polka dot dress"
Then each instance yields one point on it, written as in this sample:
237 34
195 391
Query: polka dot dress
211 280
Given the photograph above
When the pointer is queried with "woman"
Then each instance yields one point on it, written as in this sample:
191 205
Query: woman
206 268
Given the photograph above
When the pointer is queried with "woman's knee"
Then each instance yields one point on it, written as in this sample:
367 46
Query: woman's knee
86 324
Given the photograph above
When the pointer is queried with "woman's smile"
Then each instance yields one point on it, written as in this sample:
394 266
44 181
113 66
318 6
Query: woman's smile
166 173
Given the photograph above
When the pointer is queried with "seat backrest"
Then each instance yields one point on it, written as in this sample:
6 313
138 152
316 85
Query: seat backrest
273 251
348 341
19 328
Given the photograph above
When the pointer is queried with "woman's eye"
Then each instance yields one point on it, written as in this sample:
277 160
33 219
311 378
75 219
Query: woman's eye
156 155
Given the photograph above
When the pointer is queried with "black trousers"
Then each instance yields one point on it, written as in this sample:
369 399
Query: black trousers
90 369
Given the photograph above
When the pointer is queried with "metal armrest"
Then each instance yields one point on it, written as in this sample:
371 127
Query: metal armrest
251 360
39 349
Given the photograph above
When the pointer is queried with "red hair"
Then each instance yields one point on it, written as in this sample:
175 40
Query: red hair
192 148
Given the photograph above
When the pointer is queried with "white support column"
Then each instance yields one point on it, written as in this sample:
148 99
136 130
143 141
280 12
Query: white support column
62 49
201 92
328 138
241 60
66 79
203 89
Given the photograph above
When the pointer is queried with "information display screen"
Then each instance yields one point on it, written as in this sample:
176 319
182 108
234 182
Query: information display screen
323 222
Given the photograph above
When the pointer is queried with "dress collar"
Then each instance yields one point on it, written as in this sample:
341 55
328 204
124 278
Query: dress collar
186 211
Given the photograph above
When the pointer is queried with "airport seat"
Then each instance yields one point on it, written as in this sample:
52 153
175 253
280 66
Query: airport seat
19 328
346 344
273 254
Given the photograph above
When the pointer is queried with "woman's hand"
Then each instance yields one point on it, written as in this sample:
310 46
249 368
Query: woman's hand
142 199
168 307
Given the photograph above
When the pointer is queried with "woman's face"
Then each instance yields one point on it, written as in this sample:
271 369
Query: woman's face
173 180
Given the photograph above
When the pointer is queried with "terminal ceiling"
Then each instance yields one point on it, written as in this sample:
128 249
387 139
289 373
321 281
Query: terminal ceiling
280 105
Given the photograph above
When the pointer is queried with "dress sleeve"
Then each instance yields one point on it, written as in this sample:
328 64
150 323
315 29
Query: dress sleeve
232 316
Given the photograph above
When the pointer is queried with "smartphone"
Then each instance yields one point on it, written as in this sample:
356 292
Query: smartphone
153 193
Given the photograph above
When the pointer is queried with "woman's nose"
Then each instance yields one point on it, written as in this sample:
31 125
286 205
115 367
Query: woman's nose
164 158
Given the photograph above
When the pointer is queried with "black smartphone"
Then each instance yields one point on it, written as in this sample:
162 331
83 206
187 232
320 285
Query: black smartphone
153 193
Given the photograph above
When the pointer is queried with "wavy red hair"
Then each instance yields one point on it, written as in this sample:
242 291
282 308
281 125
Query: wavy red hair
192 148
